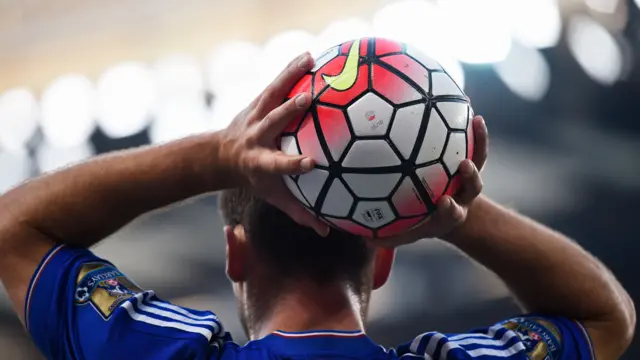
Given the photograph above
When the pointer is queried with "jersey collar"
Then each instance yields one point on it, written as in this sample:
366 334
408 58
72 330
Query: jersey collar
320 342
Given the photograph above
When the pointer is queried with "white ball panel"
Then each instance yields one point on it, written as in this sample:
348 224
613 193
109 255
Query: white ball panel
288 181
425 60
372 185
289 145
370 115
434 139
455 152
325 57
443 84
407 200
405 128
435 180
338 200
311 183
373 214
370 153
454 113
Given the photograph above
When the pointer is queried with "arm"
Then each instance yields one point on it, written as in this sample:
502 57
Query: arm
549 274
81 205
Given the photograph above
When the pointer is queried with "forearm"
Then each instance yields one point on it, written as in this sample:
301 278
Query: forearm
87 202
547 272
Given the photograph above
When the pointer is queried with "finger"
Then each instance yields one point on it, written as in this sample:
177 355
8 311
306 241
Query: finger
298 213
279 118
277 162
481 142
273 95
471 183
447 216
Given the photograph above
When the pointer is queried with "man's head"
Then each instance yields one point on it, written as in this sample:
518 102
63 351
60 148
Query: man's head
265 245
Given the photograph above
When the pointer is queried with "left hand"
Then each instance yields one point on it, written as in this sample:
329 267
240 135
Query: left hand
450 211
249 147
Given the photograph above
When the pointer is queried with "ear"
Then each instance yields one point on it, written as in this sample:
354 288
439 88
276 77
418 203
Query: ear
236 253
382 266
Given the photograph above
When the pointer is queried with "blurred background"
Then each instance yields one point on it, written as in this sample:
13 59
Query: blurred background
557 81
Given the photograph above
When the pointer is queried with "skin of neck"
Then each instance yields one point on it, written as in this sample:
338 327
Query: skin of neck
303 306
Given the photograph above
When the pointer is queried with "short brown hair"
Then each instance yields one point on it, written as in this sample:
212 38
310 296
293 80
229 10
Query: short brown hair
293 250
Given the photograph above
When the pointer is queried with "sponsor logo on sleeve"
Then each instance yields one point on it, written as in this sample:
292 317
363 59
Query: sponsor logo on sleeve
103 287
540 337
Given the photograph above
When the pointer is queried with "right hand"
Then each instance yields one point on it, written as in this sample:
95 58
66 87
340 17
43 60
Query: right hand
249 147
450 212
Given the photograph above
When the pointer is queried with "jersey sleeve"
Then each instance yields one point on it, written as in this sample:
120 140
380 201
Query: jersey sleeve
82 307
528 337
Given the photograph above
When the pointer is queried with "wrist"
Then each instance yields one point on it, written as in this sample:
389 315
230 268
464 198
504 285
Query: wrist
223 166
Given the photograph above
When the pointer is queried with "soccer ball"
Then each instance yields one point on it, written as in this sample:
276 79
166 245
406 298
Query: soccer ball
388 128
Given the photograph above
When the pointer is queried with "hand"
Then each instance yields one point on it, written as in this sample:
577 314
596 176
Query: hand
450 211
249 145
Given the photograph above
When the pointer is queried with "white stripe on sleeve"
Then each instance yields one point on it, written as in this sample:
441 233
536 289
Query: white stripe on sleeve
128 306
514 349
182 310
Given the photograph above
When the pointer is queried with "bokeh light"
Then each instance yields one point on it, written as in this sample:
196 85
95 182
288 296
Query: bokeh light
280 50
50 157
233 64
179 76
69 110
126 94
340 31
534 23
15 167
595 49
532 84
19 116
471 40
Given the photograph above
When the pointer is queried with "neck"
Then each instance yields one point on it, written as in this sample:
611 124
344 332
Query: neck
309 307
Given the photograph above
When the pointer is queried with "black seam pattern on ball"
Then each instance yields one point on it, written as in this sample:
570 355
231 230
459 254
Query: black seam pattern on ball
404 77
371 49
441 157
387 133
450 98
320 135
422 130
422 192
373 170
444 119
308 203
324 190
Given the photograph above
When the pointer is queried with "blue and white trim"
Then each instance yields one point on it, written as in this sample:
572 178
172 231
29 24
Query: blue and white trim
498 342
145 309
34 281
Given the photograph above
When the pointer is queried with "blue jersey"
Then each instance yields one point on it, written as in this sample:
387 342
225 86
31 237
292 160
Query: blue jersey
82 307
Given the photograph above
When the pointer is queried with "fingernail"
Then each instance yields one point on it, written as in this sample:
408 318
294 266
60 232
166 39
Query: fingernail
302 100
306 164
304 61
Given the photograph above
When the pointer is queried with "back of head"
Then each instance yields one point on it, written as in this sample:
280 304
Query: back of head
293 251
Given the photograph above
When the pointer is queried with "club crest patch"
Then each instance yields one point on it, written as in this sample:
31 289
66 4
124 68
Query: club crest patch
104 287
540 337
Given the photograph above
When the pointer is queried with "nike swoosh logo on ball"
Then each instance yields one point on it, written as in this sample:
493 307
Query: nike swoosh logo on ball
349 74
